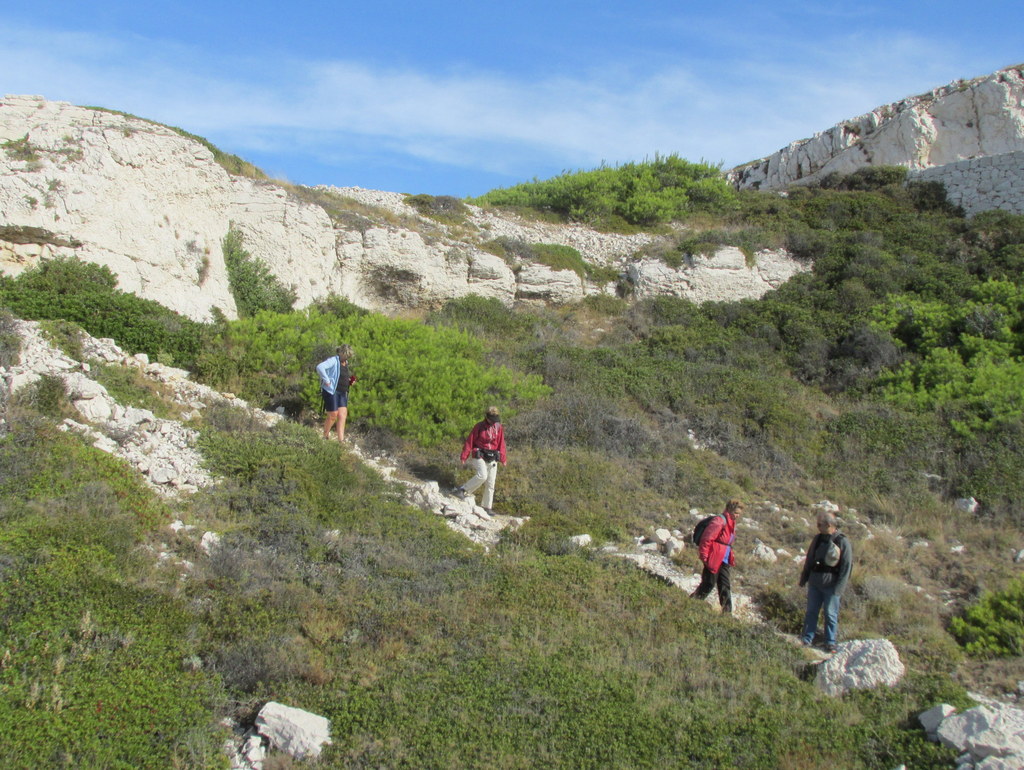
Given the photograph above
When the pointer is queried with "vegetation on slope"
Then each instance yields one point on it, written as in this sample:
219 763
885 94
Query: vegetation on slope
648 193
542 653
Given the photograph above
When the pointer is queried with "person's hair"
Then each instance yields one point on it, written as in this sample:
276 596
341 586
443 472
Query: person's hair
733 505
344 352
828 517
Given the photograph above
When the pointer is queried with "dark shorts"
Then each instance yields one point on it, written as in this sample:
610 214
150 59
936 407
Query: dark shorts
334 401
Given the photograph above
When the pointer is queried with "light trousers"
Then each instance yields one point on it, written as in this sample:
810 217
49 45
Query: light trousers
484 473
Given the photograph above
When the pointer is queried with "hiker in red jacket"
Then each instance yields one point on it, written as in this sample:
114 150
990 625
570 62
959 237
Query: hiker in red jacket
715 551
484 448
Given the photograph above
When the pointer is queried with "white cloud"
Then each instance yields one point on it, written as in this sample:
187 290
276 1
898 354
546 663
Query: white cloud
746 107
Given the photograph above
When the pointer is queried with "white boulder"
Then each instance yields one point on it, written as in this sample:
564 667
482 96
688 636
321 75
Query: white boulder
293 731
859 665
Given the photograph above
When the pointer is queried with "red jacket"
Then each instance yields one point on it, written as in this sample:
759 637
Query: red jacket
716 542
485 435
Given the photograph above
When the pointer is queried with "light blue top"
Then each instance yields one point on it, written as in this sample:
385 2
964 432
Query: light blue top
329 371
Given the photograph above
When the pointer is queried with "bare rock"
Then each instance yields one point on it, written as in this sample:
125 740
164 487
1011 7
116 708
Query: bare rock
860 665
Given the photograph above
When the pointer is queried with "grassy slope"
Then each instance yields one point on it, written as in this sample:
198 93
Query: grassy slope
426 652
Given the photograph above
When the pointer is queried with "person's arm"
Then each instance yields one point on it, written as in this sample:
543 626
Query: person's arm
467 448
501 442
710 535
322 370
806 572
845 565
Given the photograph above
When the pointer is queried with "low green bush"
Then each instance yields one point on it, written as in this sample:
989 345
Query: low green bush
69 290
647 193
994 625
443 208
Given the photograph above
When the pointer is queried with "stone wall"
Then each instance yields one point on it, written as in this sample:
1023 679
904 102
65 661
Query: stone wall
981 184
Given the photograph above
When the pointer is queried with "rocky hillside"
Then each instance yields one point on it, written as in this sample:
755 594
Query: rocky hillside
966 119
163 450
154 205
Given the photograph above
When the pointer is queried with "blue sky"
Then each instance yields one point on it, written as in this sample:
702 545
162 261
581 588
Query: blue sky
460 98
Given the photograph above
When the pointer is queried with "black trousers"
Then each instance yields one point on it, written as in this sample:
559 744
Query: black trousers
709 580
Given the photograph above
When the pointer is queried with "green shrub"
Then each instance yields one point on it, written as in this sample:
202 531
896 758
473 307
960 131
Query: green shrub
66 336
21 149
39 462
423 383
647 193
129 387
85 294
559 257
866 178
483 316
10 340
252 285
443 208
968 355
994 625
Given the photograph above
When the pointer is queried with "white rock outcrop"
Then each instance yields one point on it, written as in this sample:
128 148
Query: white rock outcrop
965 119
162 450
859 665
724 275
989 736
154 206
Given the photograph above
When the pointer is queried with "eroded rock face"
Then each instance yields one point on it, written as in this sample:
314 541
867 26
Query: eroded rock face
965 119
724 275
154 206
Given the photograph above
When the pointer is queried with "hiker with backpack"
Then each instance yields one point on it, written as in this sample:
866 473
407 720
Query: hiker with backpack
335 379
714 536
826 572
484 449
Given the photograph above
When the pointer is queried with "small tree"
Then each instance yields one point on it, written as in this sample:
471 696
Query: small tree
252 284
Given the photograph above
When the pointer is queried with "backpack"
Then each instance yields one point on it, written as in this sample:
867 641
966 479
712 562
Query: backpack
834 552
698 531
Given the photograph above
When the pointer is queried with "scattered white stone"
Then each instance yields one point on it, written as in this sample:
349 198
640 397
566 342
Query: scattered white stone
581 541
762 552
209 542
932 718
674 546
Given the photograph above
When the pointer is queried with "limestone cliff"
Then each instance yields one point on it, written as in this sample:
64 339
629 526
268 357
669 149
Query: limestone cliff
966 119
154 205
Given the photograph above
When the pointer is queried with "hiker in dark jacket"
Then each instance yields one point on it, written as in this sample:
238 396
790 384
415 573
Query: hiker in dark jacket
825 574
484 449
716 553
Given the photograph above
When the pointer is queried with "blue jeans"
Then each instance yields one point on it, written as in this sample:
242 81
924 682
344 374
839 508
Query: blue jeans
816 599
